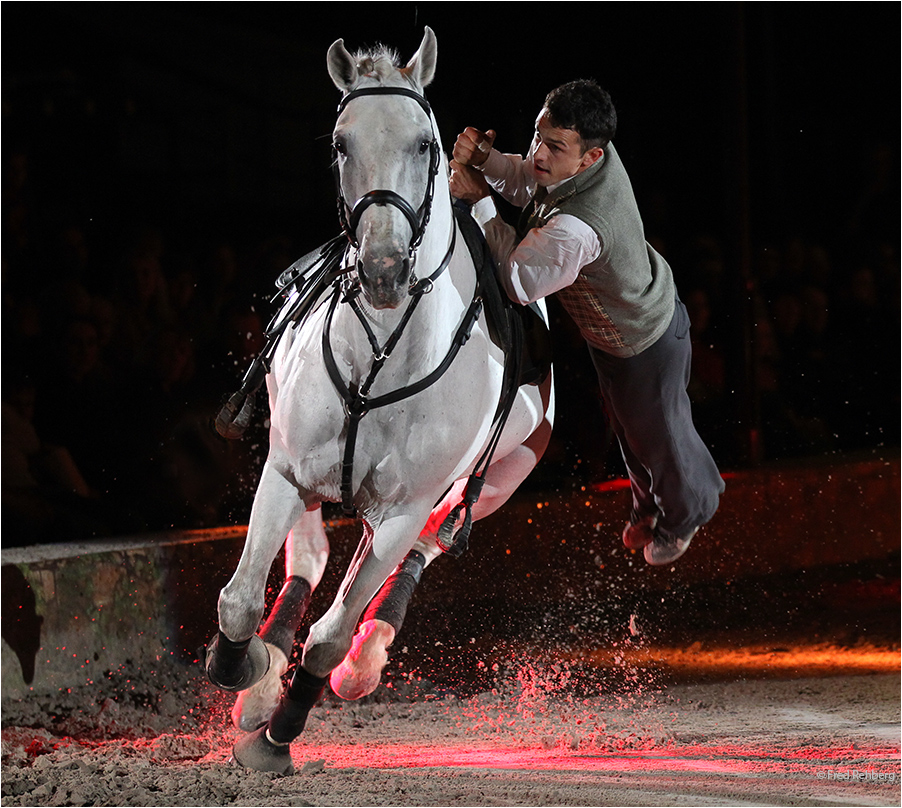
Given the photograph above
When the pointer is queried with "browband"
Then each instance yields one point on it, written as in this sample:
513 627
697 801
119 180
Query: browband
385 91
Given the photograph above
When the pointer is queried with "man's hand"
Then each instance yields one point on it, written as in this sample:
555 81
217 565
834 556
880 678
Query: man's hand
472 146
467 183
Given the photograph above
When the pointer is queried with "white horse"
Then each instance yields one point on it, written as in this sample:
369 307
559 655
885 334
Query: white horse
382 366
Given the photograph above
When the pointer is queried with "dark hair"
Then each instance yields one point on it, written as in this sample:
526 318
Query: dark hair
584 107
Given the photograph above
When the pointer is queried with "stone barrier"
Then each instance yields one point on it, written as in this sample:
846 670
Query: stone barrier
72 612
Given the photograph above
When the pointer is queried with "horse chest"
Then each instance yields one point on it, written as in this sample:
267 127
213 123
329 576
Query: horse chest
426 440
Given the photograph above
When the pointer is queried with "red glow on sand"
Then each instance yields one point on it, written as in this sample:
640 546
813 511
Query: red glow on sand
724 759
760 661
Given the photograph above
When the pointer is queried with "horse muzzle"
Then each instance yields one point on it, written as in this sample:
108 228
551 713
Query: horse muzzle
384 277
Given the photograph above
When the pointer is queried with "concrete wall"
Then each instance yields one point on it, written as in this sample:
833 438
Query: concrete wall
73 612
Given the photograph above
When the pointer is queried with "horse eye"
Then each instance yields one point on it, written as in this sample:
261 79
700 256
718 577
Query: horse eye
424 146
340 147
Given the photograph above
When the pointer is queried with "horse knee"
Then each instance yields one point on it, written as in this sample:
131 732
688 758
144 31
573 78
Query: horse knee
240 612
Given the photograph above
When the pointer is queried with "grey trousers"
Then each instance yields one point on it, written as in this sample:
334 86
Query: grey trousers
672 473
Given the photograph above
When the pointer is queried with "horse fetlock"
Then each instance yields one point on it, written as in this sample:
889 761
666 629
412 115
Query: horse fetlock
234 666
323 658
326 645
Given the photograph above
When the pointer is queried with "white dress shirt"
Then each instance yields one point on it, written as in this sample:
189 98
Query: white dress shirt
548 258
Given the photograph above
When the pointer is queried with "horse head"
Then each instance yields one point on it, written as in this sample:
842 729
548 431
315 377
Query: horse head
386 159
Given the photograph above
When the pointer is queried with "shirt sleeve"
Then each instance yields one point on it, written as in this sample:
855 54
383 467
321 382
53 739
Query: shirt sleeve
547 259
511 176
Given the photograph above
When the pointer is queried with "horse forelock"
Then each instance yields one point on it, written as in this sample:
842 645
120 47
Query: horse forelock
379 62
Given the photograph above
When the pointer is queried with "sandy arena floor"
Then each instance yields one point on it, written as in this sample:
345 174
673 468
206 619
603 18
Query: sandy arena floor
543 735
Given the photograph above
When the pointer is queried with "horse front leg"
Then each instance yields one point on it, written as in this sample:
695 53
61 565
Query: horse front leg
329 639
236 657
306 554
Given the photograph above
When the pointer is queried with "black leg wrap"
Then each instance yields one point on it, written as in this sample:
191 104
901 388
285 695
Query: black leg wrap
290 716
226 666
391 601
234 666
287 613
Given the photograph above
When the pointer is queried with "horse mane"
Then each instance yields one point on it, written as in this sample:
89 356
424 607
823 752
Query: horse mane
377 62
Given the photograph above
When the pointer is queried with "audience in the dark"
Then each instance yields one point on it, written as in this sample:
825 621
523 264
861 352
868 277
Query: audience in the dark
117 356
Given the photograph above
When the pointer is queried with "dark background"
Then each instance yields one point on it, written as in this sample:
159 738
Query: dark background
164 162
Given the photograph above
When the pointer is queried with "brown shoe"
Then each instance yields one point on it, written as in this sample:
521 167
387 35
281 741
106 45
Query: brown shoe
640 533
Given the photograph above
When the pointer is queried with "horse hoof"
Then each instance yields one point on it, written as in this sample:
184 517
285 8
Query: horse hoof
255 705
360 672
255 751
245 673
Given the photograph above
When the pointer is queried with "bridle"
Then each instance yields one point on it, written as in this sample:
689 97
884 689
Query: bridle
418 219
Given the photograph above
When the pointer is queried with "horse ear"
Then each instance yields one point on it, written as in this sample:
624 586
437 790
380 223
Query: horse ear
342 67
421 66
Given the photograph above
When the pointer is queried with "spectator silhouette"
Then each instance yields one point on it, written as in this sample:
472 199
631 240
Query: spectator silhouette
46 498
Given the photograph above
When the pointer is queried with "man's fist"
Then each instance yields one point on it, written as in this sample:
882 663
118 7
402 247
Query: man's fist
472 147
467 183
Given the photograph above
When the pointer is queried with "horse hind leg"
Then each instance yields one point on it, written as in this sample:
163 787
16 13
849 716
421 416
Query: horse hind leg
360 672
268 748
255 705
306 554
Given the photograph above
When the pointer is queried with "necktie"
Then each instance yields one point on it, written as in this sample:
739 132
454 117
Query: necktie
529 216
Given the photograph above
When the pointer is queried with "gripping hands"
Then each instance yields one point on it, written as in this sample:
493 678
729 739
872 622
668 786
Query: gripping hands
473 146
471 149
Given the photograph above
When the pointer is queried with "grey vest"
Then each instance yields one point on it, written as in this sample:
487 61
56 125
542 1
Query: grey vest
624 300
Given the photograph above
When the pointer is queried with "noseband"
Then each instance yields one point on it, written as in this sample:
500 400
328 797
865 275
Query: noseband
417 219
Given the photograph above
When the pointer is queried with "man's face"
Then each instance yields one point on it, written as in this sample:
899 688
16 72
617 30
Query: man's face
558 153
